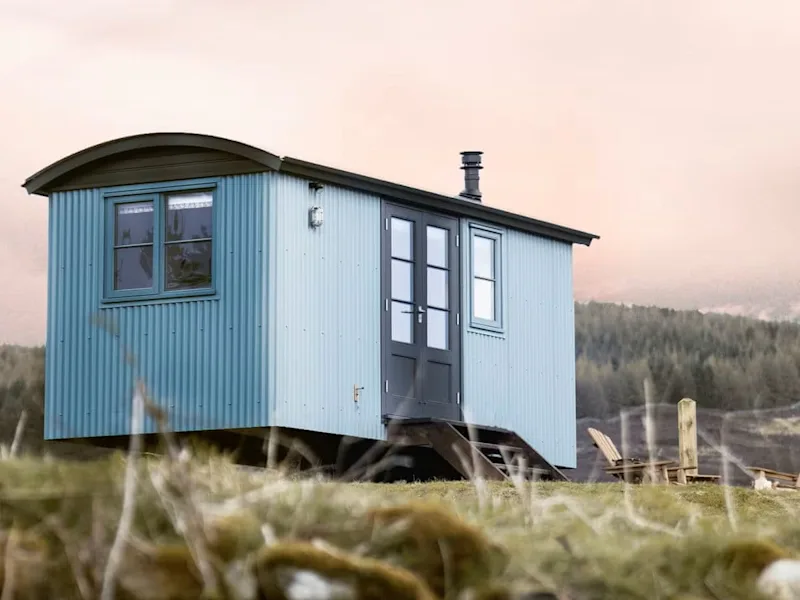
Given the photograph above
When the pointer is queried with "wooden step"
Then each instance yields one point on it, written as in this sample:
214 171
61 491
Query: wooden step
498 447
494 452
533 472
451 441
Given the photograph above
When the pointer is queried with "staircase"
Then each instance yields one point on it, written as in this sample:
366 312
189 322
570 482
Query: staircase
489 452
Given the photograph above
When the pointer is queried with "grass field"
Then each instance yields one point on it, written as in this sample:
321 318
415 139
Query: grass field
172 528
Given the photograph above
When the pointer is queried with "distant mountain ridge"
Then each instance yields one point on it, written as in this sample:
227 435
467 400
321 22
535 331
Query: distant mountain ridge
780 313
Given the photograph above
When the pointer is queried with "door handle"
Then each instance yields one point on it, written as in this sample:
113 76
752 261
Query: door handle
420 311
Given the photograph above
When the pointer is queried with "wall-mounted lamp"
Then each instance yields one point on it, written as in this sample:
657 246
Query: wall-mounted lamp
315 186
315 216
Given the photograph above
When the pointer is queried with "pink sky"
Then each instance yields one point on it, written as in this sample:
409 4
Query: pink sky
671 129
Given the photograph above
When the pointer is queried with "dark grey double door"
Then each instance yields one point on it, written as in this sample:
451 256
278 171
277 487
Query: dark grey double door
421 342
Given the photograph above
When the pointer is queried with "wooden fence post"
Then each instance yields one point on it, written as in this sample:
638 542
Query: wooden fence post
649 429
687 435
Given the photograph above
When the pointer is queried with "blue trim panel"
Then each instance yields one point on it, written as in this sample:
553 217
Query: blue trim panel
204 359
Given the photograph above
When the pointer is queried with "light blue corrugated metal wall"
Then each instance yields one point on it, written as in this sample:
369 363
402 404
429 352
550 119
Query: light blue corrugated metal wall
325 285
204 359
524 380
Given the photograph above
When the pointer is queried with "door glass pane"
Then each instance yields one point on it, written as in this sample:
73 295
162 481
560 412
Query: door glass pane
402 280
133 268
188 266
402 322
402 239
483 299
437 329
188 216
437 246
437 287
483 257
134 224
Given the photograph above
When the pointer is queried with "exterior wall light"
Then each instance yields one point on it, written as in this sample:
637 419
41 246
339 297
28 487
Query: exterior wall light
315 216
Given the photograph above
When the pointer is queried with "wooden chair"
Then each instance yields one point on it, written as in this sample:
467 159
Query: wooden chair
769 478
631 470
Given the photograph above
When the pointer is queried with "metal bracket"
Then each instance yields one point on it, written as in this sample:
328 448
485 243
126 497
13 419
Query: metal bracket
357 392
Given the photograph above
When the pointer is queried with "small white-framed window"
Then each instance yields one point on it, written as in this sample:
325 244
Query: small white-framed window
486 278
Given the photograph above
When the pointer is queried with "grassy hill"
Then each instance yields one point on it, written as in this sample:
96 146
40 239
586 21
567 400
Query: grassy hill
172 529
190 527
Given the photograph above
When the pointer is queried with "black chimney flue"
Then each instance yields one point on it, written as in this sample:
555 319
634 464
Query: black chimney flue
471 164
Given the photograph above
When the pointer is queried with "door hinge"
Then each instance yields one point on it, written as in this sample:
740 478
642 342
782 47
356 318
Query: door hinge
386 308
386 386
458 398
386 224
458 240
458 319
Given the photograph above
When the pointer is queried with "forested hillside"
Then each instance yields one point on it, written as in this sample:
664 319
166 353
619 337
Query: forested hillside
721 361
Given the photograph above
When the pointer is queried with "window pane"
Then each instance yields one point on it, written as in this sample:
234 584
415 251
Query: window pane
483 299
133 268
483 257
437 329
437 246
134 224
402 281
437 287
402 239
188 266
402 322
188 216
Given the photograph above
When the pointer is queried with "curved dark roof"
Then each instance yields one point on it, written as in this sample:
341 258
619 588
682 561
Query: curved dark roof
40 181
49 178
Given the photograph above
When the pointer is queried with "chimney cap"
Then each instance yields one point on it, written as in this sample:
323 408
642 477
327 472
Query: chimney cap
475 155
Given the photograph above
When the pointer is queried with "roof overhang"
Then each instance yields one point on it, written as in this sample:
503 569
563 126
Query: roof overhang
46 180
41 182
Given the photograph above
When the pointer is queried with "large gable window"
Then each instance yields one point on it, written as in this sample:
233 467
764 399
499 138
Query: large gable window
161 244
486 273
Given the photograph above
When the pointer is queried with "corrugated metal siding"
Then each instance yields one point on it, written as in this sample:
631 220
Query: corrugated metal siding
204 359
525 379
327 309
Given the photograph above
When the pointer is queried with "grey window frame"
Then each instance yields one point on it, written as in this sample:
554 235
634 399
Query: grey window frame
497 325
